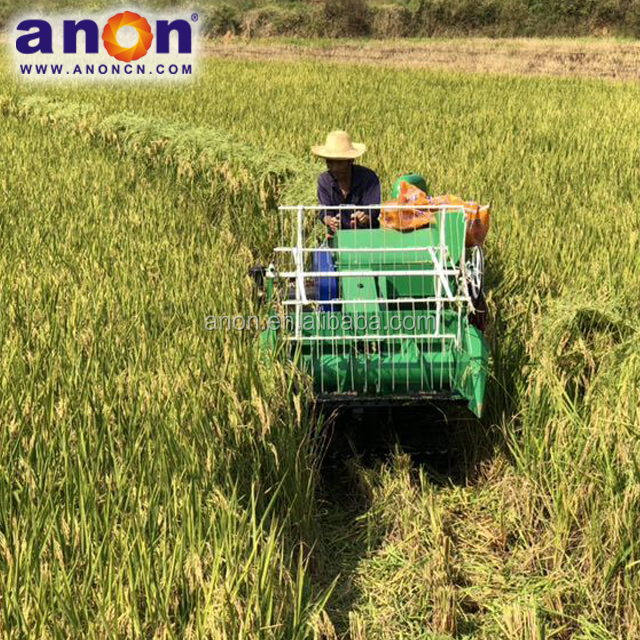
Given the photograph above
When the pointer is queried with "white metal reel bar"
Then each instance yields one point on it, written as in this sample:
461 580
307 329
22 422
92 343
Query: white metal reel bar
442 270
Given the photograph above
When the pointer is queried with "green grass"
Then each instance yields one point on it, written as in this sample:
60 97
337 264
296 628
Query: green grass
383 18
161 480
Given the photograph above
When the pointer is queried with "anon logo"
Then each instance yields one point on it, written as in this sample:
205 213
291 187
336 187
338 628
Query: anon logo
41 40
127 19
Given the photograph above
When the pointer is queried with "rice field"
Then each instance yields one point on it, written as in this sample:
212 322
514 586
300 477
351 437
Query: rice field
162 481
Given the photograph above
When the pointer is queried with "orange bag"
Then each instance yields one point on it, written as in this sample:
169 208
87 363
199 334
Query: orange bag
410 219
407 219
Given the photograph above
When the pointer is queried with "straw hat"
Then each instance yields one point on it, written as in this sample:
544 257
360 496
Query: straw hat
338 146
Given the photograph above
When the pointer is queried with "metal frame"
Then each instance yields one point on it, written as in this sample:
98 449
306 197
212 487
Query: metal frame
443 269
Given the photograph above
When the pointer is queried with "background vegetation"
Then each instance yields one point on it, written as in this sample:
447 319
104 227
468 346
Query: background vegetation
393 18
160 480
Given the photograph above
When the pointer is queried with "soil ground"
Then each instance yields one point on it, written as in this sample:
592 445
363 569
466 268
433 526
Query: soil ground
595 58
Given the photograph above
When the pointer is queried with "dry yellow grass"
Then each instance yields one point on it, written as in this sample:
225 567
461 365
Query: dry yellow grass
605 58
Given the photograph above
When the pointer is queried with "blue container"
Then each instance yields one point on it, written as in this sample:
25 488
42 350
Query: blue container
327 287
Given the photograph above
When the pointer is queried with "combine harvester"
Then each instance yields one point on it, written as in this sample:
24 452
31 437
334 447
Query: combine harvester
381 317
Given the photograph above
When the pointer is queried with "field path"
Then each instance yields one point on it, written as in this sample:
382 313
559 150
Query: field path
607 58
590 58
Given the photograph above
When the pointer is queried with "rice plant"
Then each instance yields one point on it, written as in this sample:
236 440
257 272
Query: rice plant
161 480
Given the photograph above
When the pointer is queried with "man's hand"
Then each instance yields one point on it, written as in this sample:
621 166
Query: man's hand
333 222
360 218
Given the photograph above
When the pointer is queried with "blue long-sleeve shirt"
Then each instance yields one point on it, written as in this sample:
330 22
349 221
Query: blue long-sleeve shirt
365 190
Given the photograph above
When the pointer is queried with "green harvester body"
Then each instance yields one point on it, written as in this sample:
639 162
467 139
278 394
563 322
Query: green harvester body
389 350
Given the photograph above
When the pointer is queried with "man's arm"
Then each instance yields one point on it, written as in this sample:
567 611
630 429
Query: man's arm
324 197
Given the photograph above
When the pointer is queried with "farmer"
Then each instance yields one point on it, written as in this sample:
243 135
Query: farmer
346 183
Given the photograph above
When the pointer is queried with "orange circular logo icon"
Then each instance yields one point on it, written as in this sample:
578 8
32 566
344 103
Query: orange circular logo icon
127 19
